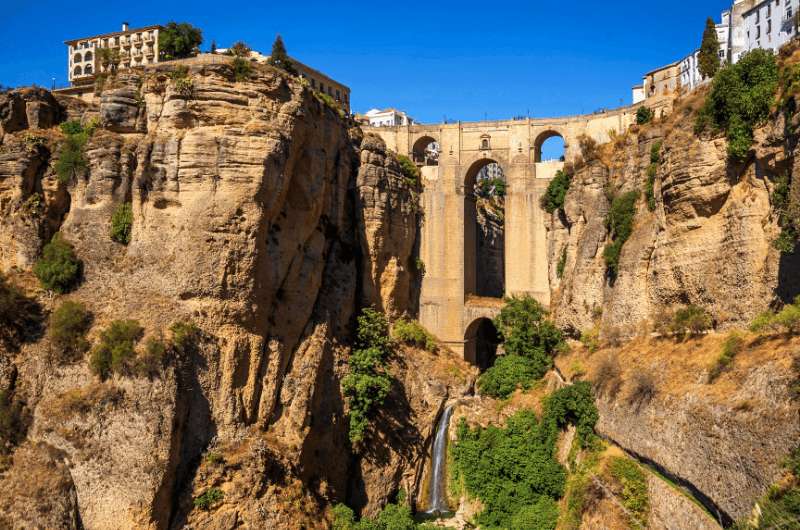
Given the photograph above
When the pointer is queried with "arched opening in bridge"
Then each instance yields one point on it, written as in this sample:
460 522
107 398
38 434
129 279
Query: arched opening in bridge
484 229
426 151
480 343
549 147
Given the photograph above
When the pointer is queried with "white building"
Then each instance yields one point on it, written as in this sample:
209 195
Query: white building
388 118
638 94
770 24
132 47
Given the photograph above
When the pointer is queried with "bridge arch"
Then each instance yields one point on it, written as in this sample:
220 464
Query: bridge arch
484 228
425 151
543 137
480 343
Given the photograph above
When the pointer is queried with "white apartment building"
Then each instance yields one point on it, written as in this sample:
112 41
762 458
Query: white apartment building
136 47
388 118
770 24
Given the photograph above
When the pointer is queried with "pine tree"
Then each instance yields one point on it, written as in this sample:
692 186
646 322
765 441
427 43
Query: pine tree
708 59
213 46
279 58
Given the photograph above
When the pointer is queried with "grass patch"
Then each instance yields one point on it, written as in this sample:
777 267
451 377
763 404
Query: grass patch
733 345
634 495
787 320
208 498
412 333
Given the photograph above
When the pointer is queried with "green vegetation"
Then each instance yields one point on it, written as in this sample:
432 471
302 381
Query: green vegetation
394 516
178 41
151 361
368 383
331 103
209 498
708 58
242 69
69 324
183 84
19 315
634 489
71 160
409 170
591 339
642 388
116 350
122 223
513 470
508 373
109 58
279 58
730 349
620 228
787 320
607 377
562 263
691 320
530 341
652 169
788 214
185 337
780 508
556 194
740 99
59 269
644 115
489 187
412 333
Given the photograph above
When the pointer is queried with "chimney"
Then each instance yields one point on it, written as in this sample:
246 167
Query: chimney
124 26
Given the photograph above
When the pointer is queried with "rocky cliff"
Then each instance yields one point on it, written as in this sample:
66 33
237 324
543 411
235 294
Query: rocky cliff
262 218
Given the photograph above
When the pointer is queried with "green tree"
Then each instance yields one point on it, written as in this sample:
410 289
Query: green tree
179 40
708 58
556 194
279 58
59 269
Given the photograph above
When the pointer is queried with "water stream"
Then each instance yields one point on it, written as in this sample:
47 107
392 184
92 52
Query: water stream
437 496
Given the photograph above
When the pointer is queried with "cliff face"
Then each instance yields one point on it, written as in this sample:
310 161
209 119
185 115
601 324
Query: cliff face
708 241
258 216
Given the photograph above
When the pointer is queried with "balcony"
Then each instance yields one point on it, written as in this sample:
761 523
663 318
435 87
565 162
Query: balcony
149 51
149 38
136 52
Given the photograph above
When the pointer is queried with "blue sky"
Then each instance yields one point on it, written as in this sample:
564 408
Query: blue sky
459 60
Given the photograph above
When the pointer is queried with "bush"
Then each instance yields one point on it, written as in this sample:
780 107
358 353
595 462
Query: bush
543 515
620 227
508 373
116 350
185 336
607 377
562 263
68 327
527 332
20 317
652 169
13 422
740 99
122 223
71 161
644 115
368 383
242 69
634 495
692 320
394 516
556 194
59 269
730 349
412 333
642 388
590 150
151 361
591 339
209 498
787 320
573 404
409 170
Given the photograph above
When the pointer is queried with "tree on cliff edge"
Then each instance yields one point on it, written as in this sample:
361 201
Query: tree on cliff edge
178 41
279 58
708 59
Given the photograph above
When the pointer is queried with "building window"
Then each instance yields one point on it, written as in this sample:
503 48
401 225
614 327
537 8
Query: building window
88 69
321 87
88 56
77 71
77 58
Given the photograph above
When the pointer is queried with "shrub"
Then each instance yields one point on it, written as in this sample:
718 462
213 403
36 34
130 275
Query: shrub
59 269
591 339
185 337
620 227
20 317
150 362
634 495
642 388
590 150
242 69
71 161
652 169
240 49
328 101
69 324
409 170
394 516
116 349
209 498
562 263
556 194
740 99
527 332
607 377
412 333
368 383
12 421
644 115
122 223
730 349
692 320
572 404
543 515
508 373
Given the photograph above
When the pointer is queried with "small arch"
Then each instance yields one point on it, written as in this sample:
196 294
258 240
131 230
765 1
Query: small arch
77 58
88 69
486 142
426 151
549 145
88 56
480 343
77 71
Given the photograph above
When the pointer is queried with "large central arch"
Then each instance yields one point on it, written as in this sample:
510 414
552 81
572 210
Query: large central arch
484 229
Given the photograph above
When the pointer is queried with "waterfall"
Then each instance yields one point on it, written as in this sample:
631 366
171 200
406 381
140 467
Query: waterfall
437 496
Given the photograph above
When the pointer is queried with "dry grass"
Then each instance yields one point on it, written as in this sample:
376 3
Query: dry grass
82 401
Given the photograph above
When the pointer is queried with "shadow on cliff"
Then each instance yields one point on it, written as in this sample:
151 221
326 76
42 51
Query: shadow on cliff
789 277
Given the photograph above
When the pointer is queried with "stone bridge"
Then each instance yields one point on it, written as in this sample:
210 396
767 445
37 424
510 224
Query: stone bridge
450 305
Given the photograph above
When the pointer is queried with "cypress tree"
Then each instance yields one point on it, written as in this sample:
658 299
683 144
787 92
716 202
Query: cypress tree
708 58
279 58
